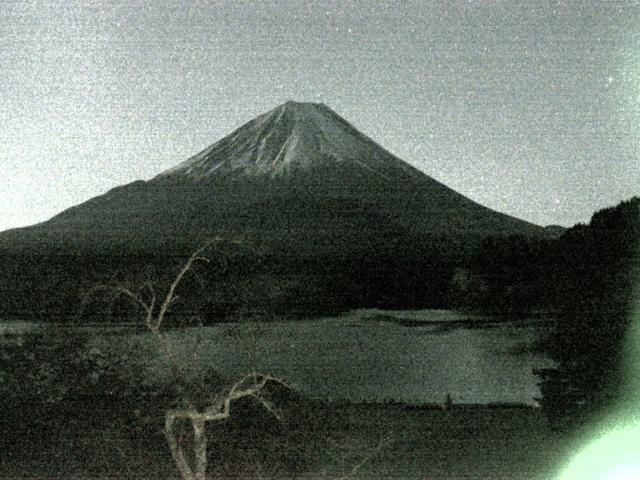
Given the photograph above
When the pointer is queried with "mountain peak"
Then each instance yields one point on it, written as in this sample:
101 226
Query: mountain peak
300 105
302 110
297 168
293 137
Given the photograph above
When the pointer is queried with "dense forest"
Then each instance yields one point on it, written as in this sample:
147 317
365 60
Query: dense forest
586 278
243 279
594 282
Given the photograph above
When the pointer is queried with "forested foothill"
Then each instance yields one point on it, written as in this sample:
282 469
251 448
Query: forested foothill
586 278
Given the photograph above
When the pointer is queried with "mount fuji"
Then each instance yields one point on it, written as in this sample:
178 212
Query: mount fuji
288 140
328 213
299 170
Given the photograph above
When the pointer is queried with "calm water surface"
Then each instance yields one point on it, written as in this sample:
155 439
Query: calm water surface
372 355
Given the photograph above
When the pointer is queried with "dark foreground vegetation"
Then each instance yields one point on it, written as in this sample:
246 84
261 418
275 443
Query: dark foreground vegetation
587 277
243 279
68 412
595 297
96 438
72 412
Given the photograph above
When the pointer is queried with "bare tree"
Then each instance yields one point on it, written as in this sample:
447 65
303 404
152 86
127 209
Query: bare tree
192 465
362 456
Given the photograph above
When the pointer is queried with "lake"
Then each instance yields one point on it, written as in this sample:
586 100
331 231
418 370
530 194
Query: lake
364 355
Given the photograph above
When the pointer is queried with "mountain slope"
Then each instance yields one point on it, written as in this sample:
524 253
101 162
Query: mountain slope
289 139
330 219
297 154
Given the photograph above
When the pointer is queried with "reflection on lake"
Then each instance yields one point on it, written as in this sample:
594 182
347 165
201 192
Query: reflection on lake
372 355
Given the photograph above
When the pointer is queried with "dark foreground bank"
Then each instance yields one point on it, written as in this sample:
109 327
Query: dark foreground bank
99 438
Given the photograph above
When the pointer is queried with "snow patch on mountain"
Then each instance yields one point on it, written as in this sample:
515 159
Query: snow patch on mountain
292 137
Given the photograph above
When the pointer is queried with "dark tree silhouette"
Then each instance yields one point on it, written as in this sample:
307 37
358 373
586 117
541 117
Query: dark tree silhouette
594 277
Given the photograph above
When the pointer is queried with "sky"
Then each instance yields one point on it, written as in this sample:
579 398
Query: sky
529 108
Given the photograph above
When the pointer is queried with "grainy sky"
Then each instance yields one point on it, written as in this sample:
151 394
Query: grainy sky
530 108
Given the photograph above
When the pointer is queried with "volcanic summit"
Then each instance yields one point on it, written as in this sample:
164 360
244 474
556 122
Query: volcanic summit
299 171
291 138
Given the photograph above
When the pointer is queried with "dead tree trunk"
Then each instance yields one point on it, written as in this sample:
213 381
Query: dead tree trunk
249 386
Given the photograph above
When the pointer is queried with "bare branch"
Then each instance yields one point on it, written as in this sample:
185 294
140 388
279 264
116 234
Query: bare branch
268 406
149 318
148 308
176 450
195 256
200 449
121 291
382 443
249 385
191 467
201 259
